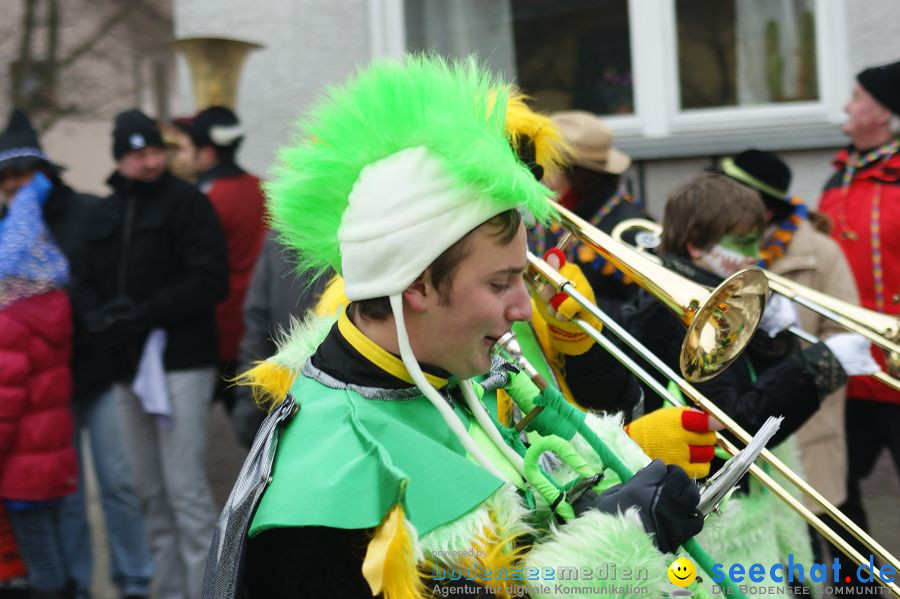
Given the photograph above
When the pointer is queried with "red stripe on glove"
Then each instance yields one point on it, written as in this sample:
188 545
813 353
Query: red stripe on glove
695 421
557 300
702 453
560 255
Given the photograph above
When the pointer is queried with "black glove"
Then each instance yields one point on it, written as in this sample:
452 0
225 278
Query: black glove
667 500
121 317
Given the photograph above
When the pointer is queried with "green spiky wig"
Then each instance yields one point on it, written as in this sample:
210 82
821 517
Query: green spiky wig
389 107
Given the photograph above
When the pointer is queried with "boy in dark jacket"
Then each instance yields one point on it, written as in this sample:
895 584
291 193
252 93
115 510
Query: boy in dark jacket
711 229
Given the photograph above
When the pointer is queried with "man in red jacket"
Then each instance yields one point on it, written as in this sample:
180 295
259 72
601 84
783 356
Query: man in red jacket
863 200
215 135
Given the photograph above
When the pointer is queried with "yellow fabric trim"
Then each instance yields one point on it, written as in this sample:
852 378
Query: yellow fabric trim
504 407
379 356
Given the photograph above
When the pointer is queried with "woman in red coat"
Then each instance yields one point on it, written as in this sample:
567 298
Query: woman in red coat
38 464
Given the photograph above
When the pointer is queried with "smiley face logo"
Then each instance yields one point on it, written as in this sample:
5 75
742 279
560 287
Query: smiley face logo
682 572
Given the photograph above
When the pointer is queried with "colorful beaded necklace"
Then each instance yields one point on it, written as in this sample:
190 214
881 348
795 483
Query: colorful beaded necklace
855 161
780 239
543 238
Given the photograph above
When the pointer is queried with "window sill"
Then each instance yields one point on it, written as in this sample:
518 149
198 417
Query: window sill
730 141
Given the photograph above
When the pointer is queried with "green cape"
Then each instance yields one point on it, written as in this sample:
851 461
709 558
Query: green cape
344 460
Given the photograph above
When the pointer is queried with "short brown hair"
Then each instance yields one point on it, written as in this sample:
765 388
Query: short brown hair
440 273
706 209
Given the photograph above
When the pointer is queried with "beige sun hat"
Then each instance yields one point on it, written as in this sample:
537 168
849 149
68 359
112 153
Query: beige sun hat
590 141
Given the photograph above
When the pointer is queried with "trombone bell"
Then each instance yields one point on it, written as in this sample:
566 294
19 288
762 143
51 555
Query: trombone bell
724 325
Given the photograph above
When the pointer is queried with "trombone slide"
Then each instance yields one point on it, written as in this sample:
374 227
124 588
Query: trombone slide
564 285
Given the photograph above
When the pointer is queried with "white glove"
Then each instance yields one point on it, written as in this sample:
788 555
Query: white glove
853 352
780 314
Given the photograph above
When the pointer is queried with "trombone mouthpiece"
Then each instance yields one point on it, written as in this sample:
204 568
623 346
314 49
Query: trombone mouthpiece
507 347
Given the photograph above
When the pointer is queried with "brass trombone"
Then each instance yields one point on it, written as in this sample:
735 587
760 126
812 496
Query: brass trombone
720 323
215 64
881 329
545 274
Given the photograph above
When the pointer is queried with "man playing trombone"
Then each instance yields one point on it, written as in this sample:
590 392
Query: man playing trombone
712 228
388 469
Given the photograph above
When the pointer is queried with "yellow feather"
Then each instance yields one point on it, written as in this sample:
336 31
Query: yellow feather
549 146
269 383
390 565
333 299
495 555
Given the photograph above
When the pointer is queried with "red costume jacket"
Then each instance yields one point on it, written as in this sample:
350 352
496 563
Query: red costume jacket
37 457
240 206
850 209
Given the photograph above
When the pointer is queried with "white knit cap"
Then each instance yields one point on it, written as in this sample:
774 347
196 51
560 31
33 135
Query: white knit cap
404 211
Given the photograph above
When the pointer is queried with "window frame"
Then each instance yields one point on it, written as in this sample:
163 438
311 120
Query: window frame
654 60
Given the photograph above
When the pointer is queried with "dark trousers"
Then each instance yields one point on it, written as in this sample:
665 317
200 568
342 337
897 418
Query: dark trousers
226 390
870 426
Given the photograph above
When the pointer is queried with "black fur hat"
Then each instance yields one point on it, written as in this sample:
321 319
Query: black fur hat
883 83
215 126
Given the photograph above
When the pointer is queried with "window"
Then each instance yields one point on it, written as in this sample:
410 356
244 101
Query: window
652 68
745 52
565 53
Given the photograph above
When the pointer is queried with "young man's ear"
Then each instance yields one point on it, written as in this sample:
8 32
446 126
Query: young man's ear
693 251
417 295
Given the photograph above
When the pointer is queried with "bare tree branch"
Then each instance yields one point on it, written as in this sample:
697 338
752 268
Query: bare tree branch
95 36
23 66
56 78
49 73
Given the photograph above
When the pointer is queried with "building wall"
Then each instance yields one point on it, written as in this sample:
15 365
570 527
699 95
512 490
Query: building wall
871 39
309 44
114 74
872 33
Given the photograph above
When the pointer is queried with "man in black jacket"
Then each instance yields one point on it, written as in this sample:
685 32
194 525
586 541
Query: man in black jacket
154 267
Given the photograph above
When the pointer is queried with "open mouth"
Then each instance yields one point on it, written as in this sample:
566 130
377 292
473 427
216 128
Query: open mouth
491 339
